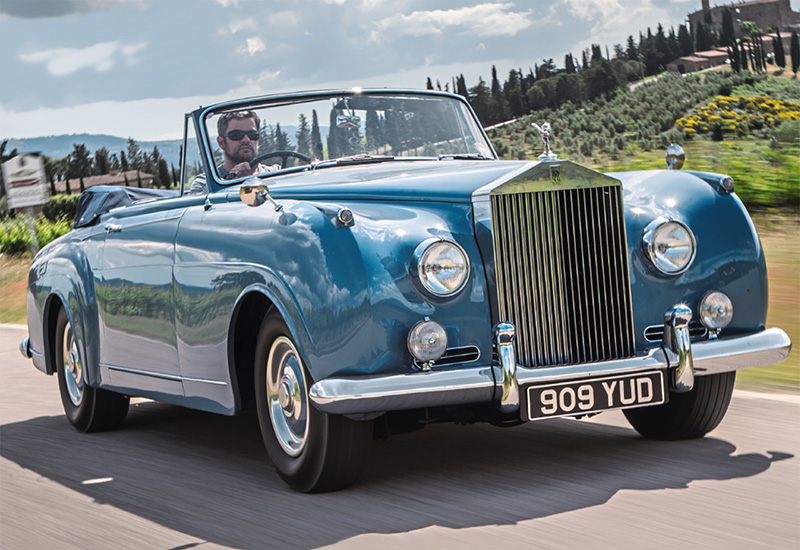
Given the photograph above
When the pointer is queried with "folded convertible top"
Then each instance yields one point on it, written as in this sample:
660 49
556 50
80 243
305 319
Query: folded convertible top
97 200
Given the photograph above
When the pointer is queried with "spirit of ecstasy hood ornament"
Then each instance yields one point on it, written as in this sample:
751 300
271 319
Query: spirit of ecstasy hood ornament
544 131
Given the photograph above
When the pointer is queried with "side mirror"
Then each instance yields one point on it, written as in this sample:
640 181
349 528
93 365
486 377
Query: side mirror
675 157
254 193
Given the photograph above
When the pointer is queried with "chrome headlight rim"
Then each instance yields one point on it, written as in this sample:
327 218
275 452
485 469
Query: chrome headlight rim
418 266
649 244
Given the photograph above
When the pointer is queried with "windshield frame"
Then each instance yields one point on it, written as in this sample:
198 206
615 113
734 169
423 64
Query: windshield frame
205 138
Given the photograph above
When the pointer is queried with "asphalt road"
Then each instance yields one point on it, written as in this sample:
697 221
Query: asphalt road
176 479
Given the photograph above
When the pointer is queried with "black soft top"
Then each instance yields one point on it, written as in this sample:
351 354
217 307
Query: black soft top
97 200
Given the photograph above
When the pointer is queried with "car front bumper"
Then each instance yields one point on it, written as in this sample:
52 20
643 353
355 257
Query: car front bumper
498 383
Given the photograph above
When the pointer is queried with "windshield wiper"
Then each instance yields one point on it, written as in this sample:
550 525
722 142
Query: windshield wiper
353 159
465 156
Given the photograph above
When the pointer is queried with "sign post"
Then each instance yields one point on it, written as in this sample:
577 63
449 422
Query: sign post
26 188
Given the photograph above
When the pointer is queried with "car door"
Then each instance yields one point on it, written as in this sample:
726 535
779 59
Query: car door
135 297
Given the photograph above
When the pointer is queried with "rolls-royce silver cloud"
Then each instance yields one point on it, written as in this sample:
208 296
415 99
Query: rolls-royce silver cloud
356 263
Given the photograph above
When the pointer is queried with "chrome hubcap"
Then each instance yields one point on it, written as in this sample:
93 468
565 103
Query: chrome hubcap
73 371
287 396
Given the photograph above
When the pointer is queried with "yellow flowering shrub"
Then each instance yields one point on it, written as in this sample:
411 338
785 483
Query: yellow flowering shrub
738 115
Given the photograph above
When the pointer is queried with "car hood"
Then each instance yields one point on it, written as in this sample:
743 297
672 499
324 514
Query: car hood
428 180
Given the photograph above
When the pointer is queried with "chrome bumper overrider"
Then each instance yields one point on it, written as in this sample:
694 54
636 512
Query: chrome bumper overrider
484 384
25 348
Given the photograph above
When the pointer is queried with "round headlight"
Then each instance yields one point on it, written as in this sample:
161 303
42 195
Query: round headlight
427 341
442 266
670 245
715 310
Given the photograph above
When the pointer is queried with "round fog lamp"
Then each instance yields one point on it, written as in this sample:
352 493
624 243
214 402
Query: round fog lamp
716 310
427 341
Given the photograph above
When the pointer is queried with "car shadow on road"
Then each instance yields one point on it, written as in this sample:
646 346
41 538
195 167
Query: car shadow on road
208 476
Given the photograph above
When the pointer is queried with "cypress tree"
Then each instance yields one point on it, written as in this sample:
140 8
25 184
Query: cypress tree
630 51
429 84
163 173
316 139
728 35
780 55
569 64
685 42
743 55
794 48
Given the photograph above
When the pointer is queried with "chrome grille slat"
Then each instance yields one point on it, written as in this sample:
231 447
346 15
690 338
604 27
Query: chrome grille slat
562 274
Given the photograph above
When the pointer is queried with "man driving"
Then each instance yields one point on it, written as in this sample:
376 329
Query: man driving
238 139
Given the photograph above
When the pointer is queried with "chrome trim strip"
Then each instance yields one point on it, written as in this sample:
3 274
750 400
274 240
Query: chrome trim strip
404 391
757 350
477 384
163 375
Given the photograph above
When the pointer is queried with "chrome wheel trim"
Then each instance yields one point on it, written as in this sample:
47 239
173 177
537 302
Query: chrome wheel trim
73 370
287 396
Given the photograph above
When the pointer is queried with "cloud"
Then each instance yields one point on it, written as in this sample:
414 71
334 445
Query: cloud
481 20
101 57
228 3
35 9
238 25
285 19
593 9
253 46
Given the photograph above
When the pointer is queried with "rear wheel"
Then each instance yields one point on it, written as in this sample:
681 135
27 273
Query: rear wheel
88 409
687 415
312 451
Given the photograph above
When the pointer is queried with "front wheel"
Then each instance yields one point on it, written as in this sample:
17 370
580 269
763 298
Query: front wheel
687 415
313 451
88 409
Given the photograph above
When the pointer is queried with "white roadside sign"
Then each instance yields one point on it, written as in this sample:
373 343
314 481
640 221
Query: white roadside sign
25 180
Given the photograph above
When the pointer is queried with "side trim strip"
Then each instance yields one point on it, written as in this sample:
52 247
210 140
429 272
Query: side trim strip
163 375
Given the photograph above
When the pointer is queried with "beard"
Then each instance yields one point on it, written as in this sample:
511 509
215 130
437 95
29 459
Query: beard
243 153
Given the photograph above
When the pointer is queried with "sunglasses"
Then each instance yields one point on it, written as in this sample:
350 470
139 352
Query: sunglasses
238 135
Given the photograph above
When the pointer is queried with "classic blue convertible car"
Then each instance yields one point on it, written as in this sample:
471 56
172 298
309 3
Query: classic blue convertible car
380 269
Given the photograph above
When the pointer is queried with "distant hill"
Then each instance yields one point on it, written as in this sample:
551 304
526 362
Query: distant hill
61 146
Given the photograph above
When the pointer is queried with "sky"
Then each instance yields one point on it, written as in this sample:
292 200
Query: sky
132 68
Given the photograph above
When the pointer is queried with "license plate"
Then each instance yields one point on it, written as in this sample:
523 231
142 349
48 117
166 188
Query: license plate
579 397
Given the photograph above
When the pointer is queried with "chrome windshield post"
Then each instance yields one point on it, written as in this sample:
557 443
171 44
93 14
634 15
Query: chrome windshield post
676 340
504 334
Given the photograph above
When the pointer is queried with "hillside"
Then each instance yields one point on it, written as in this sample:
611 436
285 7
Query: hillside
62 145
727 122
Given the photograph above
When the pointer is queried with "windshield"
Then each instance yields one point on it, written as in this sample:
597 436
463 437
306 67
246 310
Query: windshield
342 129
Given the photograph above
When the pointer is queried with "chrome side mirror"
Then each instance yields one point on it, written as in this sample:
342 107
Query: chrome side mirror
254 193
675 157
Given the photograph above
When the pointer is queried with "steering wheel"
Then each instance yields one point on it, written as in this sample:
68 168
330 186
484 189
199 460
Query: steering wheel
284 155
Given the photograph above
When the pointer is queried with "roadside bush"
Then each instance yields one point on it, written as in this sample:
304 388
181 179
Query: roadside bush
15 236
787 132
61 206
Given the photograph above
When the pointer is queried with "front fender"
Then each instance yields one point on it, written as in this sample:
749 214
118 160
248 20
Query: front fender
61 276
729 255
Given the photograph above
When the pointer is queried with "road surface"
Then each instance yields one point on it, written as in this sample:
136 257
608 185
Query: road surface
173 478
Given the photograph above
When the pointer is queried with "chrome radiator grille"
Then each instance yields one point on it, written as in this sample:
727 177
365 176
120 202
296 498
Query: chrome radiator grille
561 265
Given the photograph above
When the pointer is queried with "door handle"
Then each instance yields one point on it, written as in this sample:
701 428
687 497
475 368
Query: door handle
113 228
